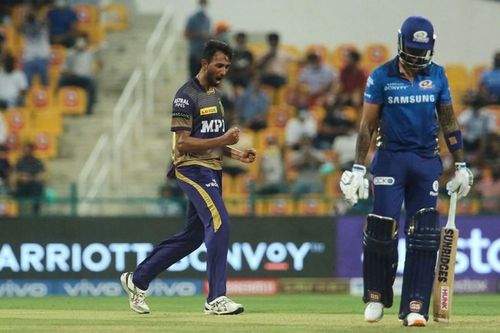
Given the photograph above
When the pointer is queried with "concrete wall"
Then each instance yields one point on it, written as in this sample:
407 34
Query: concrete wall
467 30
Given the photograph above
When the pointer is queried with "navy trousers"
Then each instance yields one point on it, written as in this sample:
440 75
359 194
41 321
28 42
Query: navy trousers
207 221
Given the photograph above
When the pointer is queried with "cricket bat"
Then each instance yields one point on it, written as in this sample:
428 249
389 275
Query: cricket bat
445 267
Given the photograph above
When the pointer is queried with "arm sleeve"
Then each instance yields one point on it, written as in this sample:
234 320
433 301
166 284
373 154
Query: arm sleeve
183 109
374 93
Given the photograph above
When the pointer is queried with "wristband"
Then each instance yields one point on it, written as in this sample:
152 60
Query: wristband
454 140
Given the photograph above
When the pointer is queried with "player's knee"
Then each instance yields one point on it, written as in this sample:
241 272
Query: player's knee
423 231
380 234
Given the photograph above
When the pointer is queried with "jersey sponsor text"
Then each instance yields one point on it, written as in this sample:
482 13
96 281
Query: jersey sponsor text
212 126
412 99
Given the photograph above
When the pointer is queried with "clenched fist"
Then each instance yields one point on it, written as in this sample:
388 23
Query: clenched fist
232 136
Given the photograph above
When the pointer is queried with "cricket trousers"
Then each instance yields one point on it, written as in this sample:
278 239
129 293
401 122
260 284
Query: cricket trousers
207 221
413 179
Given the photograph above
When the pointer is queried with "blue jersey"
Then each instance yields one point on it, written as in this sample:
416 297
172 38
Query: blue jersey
408 117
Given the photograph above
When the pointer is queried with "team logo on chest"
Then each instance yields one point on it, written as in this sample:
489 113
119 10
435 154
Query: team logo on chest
426 85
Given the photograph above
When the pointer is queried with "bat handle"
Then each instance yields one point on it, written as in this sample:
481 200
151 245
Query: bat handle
451 212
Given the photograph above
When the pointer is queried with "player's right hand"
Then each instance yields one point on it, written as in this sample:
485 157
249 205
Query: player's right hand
461 182
232 136
354 185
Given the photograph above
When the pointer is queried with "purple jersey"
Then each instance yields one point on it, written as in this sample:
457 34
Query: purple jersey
200 112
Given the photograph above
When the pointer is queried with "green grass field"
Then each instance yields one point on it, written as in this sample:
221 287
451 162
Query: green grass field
284 313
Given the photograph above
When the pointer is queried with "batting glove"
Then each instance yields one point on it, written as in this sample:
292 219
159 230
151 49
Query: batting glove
461 182
354 185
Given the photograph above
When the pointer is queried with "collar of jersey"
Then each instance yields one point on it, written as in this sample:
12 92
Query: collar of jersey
210 91
394 68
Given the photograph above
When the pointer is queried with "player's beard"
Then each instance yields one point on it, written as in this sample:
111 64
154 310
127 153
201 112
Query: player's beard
213 81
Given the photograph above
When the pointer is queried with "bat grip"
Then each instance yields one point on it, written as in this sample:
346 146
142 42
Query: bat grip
451 212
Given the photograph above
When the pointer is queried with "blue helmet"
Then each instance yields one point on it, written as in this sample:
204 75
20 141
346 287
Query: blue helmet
416 42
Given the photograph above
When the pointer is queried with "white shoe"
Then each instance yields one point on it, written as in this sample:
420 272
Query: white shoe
415 319
374 312
223 306
136 296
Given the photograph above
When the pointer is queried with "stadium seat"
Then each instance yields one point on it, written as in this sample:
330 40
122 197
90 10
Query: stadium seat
14 143
88 16
374 55
339 56
45 144
318 49
48 121
114 17
313 205
278 115
18 122
262 136
72 100
477 72
8 207
57 57
12 40
257 49
39 98
280 205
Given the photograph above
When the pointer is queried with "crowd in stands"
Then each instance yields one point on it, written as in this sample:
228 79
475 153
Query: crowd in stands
48 64
302 108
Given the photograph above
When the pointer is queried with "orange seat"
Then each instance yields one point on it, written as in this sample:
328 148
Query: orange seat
262 137
375 55
39 99
313 205
45 144
477 72
48 122
338 58
88 16
18 121
72 100
278 115
281 205
12 40
114 17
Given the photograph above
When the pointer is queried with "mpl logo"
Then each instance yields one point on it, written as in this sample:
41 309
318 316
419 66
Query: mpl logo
212 126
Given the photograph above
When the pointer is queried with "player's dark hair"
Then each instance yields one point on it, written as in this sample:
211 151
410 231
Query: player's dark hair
273 36
213 46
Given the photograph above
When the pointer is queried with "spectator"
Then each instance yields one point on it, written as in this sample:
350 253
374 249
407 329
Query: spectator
78 70
4 131
37 50
222 31
488 189
29 179
197 33
303 124
13 84
335 123
490 83
307 161
252 107
318 78
171 201
5 170
3 48
352 82
272 66
476 123
344 148
271 174
241 71
62 20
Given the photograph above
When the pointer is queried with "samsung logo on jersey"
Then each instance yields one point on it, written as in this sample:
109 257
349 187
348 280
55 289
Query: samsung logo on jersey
211 126
412 99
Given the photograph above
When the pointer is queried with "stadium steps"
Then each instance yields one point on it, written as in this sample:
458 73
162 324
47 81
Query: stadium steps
123 53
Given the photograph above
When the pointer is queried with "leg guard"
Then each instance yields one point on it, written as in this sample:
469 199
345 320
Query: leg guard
422 244
380 243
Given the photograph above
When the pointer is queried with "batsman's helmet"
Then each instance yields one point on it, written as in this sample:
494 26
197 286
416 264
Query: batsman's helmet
416 42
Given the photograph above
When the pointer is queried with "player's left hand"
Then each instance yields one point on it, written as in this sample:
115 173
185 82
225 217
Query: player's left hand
461 182
248 155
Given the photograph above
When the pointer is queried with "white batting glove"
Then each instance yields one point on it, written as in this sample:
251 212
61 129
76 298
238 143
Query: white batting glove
354 185
461 182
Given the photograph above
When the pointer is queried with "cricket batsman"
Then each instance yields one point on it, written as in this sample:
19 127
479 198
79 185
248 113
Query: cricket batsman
407 101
